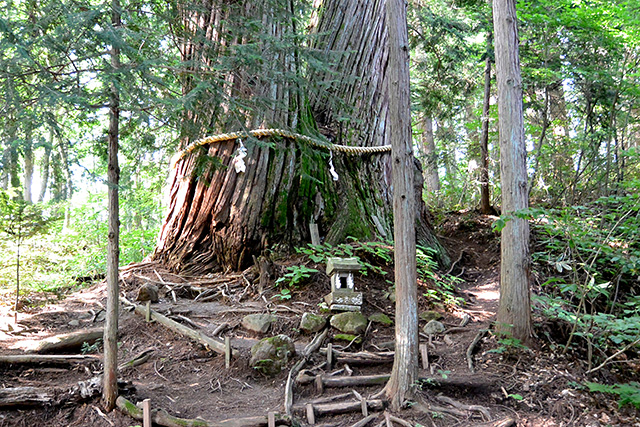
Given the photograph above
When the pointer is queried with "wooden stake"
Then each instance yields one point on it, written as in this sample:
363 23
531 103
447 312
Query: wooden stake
311 418
227 352
319 385
271 419
315 235
424 352
146 413
329 356
148 313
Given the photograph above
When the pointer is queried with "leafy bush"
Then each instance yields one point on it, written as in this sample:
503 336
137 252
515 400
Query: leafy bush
629 393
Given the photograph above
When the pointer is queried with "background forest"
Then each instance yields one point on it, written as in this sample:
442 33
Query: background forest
580 67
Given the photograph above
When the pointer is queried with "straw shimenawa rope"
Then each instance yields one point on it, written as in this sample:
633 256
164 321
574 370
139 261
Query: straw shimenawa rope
358 151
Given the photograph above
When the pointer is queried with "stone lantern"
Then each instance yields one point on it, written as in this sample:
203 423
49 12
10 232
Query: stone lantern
343 296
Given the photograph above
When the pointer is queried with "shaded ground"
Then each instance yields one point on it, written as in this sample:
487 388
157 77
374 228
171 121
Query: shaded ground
534 387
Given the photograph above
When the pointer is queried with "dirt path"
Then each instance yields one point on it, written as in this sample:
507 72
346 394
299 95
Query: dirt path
533 387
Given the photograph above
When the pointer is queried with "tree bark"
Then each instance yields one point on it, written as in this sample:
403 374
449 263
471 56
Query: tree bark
485 199
219 218
405 366
110 380
514 312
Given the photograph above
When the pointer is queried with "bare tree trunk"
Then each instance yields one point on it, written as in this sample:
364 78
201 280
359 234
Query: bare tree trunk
44 168
405 365
28 164
514 312
485 199
432 179
110 379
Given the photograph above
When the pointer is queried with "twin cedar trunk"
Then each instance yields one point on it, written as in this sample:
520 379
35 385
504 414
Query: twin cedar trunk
220 219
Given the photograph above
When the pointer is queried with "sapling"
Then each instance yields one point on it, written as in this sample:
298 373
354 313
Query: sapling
19 221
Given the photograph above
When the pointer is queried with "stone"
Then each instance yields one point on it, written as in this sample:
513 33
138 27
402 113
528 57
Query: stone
312 323
430 315
381 318
271 355
74 322
349 322
344 299
258 322
433 327
148 292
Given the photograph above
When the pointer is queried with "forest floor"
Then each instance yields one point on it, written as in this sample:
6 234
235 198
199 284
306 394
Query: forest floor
532 387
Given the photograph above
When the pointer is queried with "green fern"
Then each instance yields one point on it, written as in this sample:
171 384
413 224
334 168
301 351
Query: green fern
628 393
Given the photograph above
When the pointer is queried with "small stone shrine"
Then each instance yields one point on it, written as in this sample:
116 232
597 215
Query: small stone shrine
343 296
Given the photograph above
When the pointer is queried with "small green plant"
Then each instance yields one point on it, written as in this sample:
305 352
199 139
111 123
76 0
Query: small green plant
629 393
516 396
508 345
91 348
297 275
284 294
444 285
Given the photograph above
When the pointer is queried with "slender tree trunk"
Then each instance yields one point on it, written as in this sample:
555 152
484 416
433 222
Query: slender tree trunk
44 168
405 365
28 164
17 302
543 133
432 179
514 312
110 380
485 198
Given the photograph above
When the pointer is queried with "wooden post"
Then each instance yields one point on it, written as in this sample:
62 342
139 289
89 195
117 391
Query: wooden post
365 411
227 352
146 413
148 314
319 384
329 356
271 419
424 352
315 234
311 418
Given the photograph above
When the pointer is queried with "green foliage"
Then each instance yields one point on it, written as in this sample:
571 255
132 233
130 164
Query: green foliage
590 257
443 286
629 393
509 346
372 256
91 348
297 275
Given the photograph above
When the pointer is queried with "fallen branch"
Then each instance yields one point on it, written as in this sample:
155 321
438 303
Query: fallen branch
27 396
49 358
138 360
162 417
613 356
214 345
390 418
363 422
361 380
51 396
341 407
360 358
472 348
310 348
484 411
68 341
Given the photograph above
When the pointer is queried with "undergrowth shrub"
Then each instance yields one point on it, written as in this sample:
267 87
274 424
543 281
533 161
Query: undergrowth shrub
589 260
